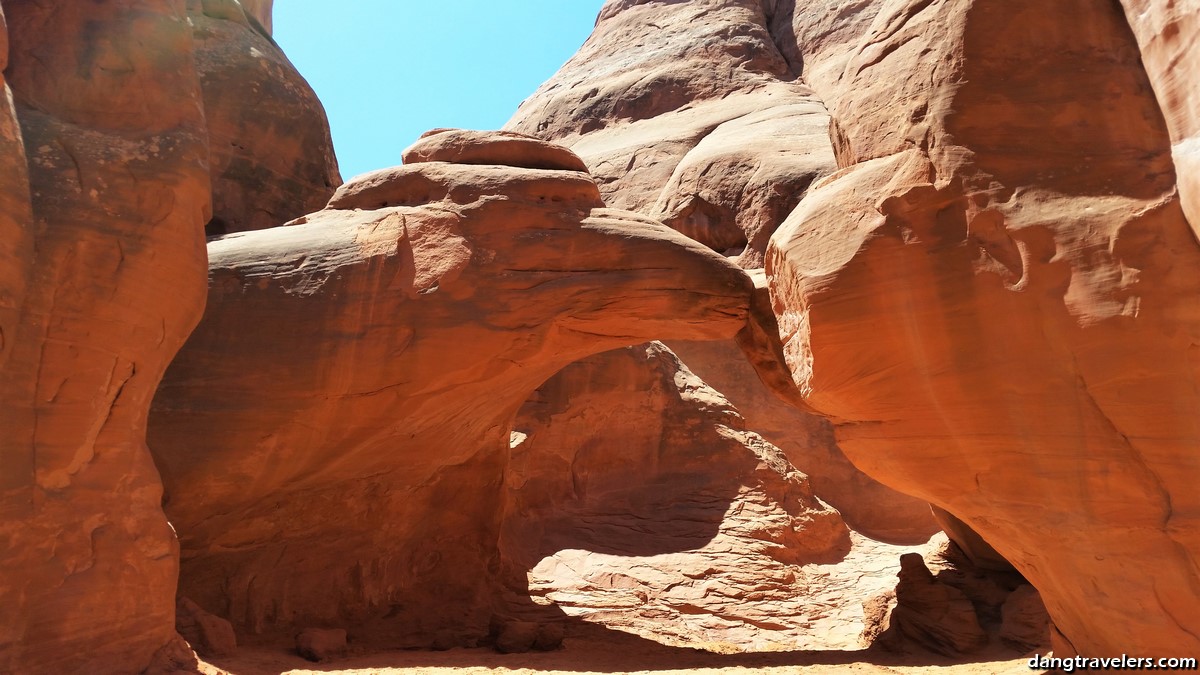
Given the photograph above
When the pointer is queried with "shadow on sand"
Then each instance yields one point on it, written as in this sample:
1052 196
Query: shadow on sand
590 648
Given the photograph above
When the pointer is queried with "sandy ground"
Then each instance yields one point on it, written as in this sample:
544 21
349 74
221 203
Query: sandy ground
602 651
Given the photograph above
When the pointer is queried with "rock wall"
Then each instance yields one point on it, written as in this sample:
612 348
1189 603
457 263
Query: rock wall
695 113
808 441
261 10
359 370
636 499
996 313
999 315
114 113
102 279
689 113
978 221
270 150
1166 34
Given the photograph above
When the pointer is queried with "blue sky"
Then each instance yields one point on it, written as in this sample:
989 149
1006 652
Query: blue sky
389 70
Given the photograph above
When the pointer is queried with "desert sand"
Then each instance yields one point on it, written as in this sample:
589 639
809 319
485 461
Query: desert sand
592 649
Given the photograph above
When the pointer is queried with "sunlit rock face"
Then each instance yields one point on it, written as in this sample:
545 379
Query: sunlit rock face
689 113
696 113
270 152
333 438
997 296
636 499
104 192
1166 33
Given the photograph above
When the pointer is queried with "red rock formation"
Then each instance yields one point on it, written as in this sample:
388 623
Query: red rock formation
996 300
1025 622
1166 31
636 499
693 113
209 635
16 229
270 151
807 440
261 11
954 608
359 370
101 279
689 113
934 615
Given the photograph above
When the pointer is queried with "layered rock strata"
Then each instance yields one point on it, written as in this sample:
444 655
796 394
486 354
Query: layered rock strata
995 299
695 113
105 192
636 499
359 370
1166 32
270 151
992 293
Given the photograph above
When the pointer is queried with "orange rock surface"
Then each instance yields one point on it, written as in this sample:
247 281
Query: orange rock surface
358 370
1166 32
270 152
993 294
261 11
978 221
101 279
694 113
995 299
636 499
689 113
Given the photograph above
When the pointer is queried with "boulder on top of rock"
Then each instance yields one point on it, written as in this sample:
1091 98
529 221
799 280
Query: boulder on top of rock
505 148
427 183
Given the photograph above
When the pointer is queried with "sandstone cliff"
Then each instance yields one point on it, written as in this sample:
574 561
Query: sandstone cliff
334 435
270 153
1000 314
978 225
987 280
106 192
636 499
695 113
105 145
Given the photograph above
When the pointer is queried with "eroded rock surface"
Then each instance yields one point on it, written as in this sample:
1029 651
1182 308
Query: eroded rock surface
209 635
358 370
689 113
1001 315
932 614
103 197
808 441
695 113
261 10
996 312
636 499
944 603
270 151
1166 31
